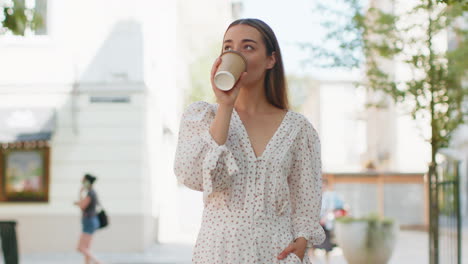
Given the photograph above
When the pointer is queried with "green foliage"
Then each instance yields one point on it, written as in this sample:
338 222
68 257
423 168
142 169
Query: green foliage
463 3
200 70
447 203
372 218
371 37
18 18
379 229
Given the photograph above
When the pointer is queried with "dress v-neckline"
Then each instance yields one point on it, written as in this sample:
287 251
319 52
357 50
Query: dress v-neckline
249 142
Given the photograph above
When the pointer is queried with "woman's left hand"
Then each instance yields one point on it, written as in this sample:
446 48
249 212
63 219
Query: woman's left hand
297 247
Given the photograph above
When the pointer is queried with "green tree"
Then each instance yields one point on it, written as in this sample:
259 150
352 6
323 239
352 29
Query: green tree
372 37
200 85
17 18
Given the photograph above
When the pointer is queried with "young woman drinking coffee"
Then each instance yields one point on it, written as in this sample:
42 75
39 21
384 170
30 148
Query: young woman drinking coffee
257 163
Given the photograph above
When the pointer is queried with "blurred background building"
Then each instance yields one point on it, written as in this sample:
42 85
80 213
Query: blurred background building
99 89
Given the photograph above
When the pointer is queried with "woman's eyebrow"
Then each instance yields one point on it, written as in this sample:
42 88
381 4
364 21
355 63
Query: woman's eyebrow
244 40
249 40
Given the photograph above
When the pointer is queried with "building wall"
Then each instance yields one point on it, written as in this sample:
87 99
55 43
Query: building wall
351 134
335 107
141 53
199 31
105 140
99 54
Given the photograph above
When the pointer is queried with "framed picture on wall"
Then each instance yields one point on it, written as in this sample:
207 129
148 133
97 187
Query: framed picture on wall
25 175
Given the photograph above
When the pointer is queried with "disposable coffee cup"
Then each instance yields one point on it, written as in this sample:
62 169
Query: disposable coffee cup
233 64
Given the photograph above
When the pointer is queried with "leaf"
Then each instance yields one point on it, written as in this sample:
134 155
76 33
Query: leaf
370 37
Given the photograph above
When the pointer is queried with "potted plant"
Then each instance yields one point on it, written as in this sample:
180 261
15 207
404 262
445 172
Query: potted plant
366 240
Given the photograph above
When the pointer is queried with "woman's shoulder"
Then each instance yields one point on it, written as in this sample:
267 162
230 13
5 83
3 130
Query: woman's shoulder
302 122
200 105
92 193
199 110
307 134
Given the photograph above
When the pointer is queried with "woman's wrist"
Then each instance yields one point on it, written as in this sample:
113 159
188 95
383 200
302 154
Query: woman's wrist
226 105
301 241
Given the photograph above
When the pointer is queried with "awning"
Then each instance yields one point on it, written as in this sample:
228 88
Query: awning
26 124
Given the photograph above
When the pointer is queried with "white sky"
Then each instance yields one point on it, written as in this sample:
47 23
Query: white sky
294 21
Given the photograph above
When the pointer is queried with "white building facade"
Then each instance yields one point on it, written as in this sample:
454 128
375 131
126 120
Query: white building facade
112 76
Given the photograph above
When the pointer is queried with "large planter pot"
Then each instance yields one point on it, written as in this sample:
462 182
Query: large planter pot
366 241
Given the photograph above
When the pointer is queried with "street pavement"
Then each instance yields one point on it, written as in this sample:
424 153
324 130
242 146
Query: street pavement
411 248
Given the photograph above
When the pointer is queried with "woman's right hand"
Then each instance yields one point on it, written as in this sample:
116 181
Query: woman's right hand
225 97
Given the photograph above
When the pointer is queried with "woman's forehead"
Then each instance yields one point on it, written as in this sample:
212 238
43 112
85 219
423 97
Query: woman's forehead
239 32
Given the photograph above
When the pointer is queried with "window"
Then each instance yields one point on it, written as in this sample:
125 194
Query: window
24 171
23 17
24 153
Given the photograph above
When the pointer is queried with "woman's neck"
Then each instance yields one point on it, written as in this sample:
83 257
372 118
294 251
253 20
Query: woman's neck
252 100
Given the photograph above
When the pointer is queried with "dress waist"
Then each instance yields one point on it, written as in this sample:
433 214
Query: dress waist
243 218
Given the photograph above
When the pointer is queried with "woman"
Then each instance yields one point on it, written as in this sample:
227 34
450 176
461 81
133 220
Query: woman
89 220
257 163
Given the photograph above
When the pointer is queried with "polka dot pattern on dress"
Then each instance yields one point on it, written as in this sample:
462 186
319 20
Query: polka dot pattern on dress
254 206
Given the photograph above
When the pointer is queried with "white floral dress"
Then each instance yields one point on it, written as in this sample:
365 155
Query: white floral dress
254 206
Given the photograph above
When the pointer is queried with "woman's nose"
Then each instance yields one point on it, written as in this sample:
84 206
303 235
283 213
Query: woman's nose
236 48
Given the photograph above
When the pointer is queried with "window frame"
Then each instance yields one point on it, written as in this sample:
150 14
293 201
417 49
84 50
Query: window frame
36 146
11 39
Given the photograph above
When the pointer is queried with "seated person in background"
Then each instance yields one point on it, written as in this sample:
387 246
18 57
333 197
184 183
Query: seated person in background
332 207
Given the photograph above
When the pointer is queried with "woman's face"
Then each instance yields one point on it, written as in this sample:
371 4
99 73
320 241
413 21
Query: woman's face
248 41
85 182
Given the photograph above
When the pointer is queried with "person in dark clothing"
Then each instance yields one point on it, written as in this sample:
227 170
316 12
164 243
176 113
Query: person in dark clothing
87 203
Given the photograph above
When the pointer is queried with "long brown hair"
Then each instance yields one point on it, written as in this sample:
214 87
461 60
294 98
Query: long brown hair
275 81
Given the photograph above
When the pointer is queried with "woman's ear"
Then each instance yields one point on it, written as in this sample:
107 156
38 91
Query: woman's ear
271 60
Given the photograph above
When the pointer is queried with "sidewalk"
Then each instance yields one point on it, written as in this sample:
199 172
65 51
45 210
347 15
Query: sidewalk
412 247
157 254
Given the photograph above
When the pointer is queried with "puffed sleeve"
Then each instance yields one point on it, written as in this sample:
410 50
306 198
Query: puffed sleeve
305 183
200 163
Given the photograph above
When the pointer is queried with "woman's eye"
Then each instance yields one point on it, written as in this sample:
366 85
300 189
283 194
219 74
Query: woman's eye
248 47
227 48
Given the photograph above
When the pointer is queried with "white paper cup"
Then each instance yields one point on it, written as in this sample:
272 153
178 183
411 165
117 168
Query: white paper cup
233 64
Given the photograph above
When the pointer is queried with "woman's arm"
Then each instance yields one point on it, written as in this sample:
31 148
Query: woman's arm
83 203
226 99
305 184
220 126
200 162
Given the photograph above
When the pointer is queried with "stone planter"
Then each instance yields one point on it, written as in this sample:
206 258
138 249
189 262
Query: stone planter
366 240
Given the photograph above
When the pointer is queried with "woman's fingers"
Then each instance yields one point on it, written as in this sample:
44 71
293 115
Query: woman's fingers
228 97
214 68
286 251
240 79
236 88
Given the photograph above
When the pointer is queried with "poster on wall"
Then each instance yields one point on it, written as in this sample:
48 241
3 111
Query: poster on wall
25 175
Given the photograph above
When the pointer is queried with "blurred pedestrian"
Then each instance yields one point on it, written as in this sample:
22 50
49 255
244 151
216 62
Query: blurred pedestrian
332 207
88 202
